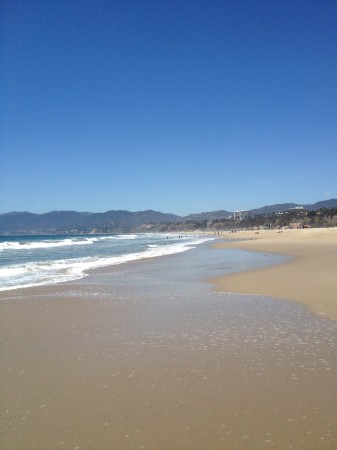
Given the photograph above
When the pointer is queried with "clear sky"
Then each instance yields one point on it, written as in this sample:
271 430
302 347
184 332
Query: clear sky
180 106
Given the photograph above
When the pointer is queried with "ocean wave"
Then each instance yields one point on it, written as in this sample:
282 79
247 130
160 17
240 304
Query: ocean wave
53 243
119 237
51 272
32 245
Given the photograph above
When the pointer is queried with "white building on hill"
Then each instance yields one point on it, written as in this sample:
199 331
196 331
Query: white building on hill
240 215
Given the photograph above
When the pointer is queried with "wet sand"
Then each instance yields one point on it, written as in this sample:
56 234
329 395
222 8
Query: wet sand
309 278
145 356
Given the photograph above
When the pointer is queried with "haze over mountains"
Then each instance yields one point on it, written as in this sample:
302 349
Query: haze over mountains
26 222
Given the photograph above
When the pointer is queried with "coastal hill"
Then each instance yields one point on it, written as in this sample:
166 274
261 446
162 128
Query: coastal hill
72 221
332 203
117 221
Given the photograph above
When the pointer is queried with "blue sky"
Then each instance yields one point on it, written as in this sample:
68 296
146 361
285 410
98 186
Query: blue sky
178 106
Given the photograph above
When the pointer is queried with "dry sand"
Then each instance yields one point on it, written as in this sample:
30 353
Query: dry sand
309 277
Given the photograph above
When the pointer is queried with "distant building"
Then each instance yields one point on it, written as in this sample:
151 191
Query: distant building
240 215
298 210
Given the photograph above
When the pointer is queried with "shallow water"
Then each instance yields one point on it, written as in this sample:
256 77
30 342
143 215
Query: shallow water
27 261
145 356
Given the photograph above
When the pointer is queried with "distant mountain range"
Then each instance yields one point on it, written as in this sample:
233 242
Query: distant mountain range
72 221
26 222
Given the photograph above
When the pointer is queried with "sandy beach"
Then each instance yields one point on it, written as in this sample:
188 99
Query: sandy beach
146 356
309 277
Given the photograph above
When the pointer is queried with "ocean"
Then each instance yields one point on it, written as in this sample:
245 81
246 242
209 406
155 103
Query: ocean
27 261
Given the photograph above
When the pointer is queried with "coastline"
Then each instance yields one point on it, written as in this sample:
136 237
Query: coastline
309 277
145 355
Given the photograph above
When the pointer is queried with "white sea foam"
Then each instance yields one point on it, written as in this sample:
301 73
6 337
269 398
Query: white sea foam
50 243
32 245
49 272
121 237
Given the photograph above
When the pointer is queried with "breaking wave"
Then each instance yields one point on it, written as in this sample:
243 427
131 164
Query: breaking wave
49 271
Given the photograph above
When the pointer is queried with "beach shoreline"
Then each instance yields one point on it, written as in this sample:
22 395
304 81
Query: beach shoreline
309 276
146 355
